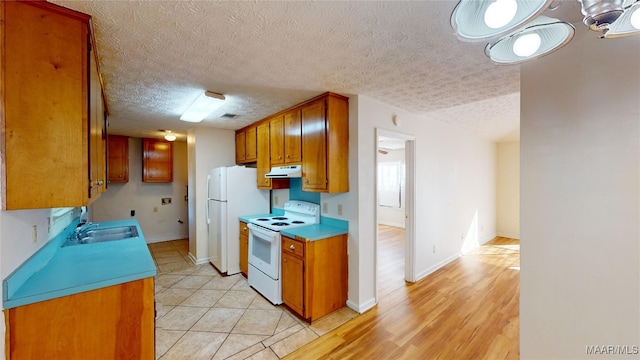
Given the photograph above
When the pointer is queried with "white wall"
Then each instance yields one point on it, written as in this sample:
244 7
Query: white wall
508 190
207 149
455 197
580 199
121 198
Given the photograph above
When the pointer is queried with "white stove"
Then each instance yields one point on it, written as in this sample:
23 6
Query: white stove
265 244
296 213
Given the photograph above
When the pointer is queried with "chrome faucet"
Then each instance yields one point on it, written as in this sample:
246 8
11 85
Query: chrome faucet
83 228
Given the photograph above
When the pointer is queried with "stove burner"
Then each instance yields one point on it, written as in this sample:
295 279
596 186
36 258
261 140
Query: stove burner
279 223
279 218
297 222
262 219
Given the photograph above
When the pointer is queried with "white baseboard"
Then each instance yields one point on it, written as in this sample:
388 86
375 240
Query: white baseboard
198 261
165 237
510 236
362 307
390 223
437 266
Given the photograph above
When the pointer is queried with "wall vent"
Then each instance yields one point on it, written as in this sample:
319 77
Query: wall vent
228 116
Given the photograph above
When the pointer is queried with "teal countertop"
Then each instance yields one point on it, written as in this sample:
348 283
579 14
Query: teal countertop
55 271
328 227
314 232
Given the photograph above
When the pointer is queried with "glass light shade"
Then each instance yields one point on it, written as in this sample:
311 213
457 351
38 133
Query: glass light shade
169 136
628 23
468 18
553 35
204 105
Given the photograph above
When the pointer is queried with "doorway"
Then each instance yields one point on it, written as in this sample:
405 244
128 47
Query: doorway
394 211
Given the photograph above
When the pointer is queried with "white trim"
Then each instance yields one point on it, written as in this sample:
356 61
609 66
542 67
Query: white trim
437 266
410 193
367 305
198 261
510 236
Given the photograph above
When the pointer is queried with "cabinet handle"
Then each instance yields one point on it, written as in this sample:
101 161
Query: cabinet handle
287 156
306 181
266 180
244 228
284 260
292 247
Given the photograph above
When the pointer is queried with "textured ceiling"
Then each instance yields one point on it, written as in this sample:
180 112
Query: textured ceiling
157 56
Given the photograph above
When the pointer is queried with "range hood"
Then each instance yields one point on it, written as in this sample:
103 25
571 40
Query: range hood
290 171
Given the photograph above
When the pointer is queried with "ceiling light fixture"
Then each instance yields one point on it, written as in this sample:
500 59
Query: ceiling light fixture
540 37
516 23
169 136
204 105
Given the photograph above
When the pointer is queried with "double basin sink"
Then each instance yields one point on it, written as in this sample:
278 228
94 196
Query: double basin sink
93 233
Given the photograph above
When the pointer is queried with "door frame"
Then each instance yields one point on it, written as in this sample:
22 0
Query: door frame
410 194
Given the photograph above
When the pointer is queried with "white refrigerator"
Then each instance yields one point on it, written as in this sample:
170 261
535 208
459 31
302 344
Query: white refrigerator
232 192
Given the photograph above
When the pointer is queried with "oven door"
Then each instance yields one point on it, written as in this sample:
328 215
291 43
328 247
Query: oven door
264 250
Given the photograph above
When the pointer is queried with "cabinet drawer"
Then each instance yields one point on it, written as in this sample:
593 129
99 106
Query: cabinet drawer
244 230
293 247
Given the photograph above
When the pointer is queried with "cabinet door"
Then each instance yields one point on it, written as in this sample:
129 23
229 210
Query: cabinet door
241 155
251 146
244 248
157 160
118 164
292 137
276 136
293 283
314 147
44 106
263 165
97 137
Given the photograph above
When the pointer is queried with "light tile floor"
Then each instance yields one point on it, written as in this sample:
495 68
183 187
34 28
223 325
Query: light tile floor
203 315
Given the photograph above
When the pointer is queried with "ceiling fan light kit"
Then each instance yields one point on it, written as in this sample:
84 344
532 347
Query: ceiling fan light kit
523 34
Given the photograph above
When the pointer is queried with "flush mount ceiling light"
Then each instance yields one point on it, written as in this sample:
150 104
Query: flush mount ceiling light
523 34
540 37
169 136
204 105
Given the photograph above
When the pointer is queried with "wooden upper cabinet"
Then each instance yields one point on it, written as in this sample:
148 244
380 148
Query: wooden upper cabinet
276 143
263 165
286 134
247 145
45 77
157 161
241 154
118 164
325 144
292 137
251 144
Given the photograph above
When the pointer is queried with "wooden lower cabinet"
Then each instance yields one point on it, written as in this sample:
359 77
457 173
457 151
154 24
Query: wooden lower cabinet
115 322
244 248
314 275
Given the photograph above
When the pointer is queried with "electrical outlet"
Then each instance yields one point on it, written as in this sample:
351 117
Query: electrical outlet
34 233
166 201
434 248
133 213
155 209
339 209
275 200
325 208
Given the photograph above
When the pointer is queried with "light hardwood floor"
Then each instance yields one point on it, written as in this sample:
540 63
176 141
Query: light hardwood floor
466 310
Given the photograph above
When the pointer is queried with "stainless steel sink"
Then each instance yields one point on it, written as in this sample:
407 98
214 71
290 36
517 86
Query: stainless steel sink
97 234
